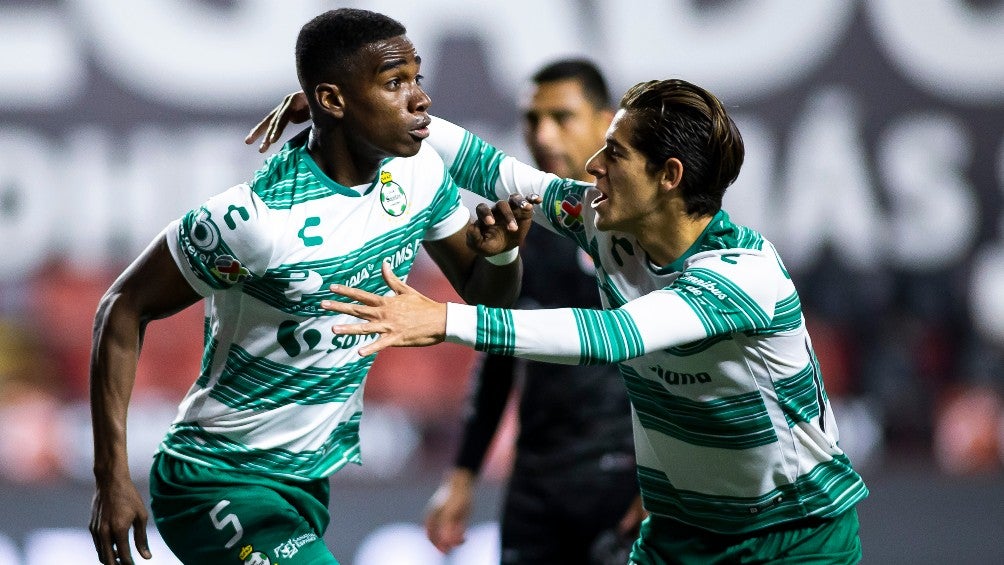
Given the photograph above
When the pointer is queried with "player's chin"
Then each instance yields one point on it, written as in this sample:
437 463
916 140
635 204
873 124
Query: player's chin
410 147
605 221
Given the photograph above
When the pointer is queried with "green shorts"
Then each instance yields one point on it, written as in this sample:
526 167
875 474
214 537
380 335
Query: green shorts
208 515
665 541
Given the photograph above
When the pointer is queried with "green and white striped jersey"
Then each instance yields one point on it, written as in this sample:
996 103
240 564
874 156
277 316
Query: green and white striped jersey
278 393
733 428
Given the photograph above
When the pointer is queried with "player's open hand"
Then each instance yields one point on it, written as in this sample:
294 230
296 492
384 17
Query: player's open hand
406 319
503 226
292 110
117 508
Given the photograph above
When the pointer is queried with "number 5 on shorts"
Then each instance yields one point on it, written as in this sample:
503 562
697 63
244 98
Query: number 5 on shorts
229 519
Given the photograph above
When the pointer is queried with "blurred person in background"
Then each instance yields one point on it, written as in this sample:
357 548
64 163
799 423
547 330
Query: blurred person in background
573 481
735 440
242 475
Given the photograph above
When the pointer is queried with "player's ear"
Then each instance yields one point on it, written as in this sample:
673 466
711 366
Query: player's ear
330 99
671 174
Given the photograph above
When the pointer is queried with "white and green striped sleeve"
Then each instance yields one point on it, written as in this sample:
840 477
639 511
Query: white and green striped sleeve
577 336
705 301
483 168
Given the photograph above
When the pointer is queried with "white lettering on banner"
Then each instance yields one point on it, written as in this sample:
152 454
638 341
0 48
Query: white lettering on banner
827 196
521 35
950 48
193 55
985 305
987 279
933 209
97 197
112 200
98 203
26 200
743 50
739 50
749 200
37 58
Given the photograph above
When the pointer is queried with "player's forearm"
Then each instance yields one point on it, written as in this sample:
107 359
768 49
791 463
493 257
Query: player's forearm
541 335
576 336
461 479
493 285
114 354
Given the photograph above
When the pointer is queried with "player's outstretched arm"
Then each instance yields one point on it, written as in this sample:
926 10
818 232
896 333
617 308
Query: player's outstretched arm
406 319
151 288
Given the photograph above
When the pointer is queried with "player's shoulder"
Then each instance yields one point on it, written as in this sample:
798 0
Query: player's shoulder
290 177
236 196
724 241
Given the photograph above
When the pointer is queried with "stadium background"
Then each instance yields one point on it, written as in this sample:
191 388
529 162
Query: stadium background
875 136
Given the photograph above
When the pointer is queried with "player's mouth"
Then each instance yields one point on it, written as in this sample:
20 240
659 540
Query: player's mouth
421 131
598 200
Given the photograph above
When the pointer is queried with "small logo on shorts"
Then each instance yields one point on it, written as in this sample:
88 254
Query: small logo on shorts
252 557
291 547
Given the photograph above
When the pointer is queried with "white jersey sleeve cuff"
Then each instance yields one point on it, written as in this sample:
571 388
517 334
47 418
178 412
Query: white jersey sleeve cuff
461 323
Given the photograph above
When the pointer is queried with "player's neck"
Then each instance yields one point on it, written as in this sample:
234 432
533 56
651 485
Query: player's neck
671 239
337 158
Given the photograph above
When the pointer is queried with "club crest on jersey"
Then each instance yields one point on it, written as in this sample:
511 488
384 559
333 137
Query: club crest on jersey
252 557
392 196
569 213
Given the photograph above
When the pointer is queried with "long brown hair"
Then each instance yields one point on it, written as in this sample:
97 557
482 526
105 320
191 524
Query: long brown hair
674 118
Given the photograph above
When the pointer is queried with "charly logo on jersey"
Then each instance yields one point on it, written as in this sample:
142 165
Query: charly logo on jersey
252 557
569 213
310 240
392 196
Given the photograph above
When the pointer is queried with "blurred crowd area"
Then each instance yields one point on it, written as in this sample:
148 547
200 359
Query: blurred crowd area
872 127
414 397
908 383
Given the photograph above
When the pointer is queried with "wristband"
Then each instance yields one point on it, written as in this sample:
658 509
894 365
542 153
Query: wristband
503 258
